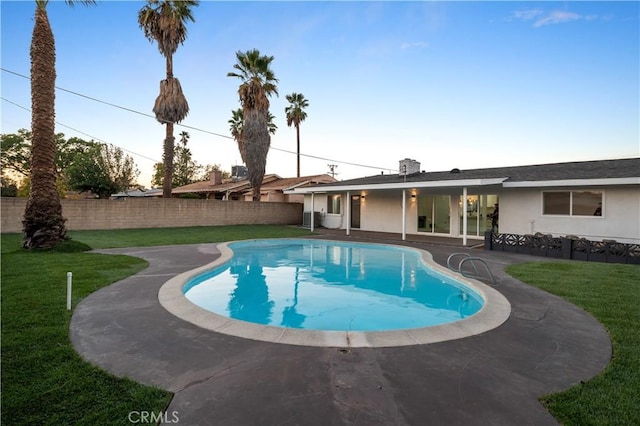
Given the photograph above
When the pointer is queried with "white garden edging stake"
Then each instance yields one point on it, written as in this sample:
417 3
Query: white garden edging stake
69 275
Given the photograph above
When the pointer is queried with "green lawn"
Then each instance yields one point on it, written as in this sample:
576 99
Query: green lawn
44 381
191 235
611 293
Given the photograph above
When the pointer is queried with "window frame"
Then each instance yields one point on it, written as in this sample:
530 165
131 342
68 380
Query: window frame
330 204
571 203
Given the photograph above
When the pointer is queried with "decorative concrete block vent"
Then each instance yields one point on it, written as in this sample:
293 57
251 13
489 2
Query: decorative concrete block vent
409 167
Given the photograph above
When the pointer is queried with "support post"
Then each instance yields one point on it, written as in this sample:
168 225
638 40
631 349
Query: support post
348 206
464 216
404 214
312 211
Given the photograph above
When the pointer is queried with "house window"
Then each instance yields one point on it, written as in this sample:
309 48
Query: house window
333 204
572 203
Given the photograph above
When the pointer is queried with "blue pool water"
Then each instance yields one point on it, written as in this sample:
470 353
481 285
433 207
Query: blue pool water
326 285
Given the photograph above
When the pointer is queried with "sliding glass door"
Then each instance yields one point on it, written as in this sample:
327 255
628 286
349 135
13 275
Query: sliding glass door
479 209
433 214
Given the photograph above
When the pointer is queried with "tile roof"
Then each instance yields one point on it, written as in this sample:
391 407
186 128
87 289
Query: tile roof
286 183
270 182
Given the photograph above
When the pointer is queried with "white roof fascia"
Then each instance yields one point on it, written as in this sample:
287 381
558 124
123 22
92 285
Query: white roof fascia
402 185
574 182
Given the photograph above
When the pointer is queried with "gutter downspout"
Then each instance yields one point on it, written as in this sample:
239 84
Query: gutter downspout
464 216
404 215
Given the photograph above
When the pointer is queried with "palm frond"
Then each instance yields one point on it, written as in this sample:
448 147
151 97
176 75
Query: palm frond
295 111
171 105
165 23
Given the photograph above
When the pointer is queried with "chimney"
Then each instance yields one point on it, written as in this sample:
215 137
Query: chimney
216 177
409 167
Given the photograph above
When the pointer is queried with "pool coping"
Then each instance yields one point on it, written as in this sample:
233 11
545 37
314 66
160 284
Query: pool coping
495 312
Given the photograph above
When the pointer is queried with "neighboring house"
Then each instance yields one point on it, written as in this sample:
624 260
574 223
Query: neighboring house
154 192
591 199
275 190
218 188
272 188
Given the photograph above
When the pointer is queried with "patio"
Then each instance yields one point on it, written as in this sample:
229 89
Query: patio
546 345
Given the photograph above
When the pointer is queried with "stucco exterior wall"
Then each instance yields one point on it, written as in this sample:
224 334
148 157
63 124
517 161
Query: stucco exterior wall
521 213
157 213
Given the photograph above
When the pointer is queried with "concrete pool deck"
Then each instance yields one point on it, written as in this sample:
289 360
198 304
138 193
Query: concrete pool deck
546 345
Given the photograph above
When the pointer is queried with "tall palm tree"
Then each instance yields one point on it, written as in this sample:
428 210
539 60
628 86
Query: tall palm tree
235 127
295 115
184 138
43 223
165 23
258 84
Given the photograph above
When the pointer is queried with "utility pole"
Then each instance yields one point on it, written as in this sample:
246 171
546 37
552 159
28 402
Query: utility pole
332 170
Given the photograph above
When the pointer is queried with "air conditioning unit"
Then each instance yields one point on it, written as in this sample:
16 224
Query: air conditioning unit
306 219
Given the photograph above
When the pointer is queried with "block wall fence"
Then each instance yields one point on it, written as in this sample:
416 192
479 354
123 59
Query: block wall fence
157 213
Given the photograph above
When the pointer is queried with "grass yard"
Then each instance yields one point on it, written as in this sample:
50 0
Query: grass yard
44 381
191 235
611 293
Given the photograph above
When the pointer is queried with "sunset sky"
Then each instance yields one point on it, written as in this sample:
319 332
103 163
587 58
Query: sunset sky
450 84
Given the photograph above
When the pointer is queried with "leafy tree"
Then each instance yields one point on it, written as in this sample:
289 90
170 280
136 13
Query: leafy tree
104 170
258 83
205 172
16 158
15 153
8 187
295 115
186 170
43 223
165 23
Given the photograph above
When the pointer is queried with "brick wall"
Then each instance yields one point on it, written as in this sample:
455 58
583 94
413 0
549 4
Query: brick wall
157 213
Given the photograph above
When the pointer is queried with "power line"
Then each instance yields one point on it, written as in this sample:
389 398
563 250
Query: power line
185 126
83 133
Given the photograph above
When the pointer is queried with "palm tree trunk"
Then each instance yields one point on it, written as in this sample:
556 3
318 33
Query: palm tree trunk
169 144
257 141
298 140
43 223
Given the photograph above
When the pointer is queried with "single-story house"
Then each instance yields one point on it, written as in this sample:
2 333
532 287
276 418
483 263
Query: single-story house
220 189
596 200
153 192
275 189
272 188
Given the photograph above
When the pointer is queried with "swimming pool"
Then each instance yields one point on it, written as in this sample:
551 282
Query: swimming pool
324 285
284 290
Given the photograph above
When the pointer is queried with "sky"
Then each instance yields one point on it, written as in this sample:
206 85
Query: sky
449 84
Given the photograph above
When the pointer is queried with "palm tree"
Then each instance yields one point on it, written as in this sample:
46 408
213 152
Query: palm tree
165 23
43 223
258 83
184 138
295 115
235 127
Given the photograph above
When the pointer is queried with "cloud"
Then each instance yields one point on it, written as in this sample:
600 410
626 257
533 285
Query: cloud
557 17
542 18
414 45
526 15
